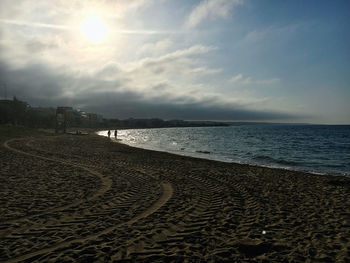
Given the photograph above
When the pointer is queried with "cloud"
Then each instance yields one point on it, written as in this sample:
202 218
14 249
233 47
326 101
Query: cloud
178 55
196 111
67 15
211 9
193 50
43 86
35 24
155 48
272 33
122 6
241 80
205 71
37 46
179 67
46 65
54 9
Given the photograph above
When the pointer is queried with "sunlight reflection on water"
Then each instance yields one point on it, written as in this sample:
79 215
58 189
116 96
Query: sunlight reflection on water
313 148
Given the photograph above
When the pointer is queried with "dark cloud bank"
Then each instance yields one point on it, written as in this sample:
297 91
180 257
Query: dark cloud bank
40 86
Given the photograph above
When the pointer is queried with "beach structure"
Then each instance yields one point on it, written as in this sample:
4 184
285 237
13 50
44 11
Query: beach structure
62 119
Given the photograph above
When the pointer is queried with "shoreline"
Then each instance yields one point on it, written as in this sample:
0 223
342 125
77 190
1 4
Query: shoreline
83 198
346 175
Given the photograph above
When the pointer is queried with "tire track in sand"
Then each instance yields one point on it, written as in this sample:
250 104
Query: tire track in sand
166 189
105 181
167 192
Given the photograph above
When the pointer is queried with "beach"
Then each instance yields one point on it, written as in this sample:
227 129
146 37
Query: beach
75 198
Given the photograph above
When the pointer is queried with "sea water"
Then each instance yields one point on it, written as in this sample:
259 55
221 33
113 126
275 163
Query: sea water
321 149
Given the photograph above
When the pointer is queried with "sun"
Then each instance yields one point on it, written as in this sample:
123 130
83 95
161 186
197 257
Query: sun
94 29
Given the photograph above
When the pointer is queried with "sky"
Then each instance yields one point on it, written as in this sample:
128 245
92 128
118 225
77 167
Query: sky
234 60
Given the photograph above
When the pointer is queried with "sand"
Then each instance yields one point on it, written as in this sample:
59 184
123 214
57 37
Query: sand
86 199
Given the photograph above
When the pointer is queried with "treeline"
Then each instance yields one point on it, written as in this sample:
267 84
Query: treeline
17 112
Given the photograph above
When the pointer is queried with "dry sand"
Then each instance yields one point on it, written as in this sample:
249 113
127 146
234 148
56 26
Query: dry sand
86 199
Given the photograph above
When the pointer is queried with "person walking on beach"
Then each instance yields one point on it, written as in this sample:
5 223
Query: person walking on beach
109 133
115 134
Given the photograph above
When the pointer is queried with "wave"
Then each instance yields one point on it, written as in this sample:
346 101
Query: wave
270 159
296 148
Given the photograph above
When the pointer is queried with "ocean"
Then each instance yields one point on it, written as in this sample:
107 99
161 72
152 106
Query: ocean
322 149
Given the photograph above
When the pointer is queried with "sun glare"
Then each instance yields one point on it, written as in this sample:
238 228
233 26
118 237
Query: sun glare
94 29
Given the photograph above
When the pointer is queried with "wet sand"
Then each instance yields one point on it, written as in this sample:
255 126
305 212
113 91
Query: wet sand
86 199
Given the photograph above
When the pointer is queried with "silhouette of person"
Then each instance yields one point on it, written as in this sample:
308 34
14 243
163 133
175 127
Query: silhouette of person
109 133
115 134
